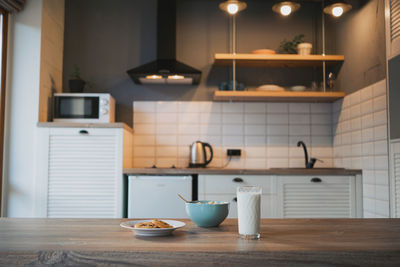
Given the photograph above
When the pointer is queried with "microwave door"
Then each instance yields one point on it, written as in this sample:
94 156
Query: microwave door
75 107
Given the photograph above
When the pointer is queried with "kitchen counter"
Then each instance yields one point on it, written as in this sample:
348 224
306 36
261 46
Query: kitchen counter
283 242
85 125
283 171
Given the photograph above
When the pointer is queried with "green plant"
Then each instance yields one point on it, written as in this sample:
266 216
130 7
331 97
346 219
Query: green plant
290 47
76 75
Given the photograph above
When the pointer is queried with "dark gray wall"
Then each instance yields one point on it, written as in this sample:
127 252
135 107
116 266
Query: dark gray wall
106 38
360 36
394 99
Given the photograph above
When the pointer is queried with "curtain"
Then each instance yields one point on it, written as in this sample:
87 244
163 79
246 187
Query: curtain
12 5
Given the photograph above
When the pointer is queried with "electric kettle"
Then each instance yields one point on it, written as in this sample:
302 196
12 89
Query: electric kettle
198 155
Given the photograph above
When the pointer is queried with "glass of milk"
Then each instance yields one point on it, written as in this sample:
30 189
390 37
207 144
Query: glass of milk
248 204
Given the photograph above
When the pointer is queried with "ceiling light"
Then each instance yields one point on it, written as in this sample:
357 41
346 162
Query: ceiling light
285 8
154 77
337 8
232 6
176 77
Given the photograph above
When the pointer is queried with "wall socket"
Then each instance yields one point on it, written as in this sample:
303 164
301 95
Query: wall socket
234 152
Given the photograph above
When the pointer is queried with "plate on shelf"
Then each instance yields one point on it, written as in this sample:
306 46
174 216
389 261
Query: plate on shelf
152 231
298 88
270 87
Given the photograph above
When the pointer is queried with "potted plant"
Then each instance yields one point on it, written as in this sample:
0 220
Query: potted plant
76 83
290 47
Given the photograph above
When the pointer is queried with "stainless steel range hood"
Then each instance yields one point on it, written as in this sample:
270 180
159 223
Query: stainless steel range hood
166 69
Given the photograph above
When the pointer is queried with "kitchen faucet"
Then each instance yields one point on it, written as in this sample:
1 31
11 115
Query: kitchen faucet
309 164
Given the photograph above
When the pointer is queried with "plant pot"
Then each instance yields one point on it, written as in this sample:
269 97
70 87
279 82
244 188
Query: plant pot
76 86
304 49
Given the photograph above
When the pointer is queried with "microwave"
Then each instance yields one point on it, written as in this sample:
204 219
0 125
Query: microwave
83 107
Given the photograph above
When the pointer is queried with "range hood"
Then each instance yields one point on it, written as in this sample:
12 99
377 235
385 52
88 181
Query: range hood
166 69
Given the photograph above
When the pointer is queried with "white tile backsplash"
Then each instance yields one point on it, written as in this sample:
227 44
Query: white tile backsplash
349 133
261 130
167 107
360 141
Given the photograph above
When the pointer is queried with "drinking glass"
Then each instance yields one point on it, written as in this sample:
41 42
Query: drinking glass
249 205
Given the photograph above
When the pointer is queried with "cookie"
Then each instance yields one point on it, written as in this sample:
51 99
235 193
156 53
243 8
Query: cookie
146 225
161 224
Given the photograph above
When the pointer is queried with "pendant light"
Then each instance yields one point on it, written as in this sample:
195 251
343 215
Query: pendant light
337 8
285 8
232 6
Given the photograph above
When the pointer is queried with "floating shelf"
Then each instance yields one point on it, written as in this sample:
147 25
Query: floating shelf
284 96
277 60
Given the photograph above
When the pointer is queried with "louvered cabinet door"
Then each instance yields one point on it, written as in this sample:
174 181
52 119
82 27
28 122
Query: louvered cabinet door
316 197
82 168
393 27
395 166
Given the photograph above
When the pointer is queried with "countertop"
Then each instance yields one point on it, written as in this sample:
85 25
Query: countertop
299 242
283 171
85 125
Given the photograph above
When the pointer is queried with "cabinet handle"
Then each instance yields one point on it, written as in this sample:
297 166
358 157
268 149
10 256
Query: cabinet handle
234 199
316 180
237 180
83 132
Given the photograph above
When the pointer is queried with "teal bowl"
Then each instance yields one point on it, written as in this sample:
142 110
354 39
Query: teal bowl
207 215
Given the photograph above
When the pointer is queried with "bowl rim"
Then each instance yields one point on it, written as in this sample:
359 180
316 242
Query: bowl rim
204 202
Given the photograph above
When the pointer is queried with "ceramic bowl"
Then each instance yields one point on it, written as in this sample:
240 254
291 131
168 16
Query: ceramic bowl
204 214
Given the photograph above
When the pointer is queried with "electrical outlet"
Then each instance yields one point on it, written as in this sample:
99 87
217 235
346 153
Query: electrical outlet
234 152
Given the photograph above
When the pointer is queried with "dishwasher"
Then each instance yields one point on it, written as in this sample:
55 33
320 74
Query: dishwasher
156 196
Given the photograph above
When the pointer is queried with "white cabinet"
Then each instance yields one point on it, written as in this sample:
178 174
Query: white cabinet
395 177
318 197
223 188
80 172
293 196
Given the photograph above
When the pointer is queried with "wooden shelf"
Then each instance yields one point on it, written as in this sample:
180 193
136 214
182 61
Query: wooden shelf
277 60
285 96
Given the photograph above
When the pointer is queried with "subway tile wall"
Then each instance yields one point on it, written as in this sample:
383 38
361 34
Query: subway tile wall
360 142
267 133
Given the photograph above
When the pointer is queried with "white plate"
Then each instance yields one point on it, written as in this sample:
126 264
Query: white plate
298 88
152 231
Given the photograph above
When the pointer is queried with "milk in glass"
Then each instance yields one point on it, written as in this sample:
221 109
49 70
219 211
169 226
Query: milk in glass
248 204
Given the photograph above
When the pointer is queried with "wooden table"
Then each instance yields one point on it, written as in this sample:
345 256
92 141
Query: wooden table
299 242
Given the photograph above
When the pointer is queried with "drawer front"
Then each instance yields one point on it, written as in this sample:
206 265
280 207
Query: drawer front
266 204
227 184
316 197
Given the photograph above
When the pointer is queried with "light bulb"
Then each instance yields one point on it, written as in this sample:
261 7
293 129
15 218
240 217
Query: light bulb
154 77
233 9
176 77
337 11
286 10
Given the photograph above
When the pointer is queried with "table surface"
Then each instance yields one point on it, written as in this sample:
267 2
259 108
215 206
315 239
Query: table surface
339 241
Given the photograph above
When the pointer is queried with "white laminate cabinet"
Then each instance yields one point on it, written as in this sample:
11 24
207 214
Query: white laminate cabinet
318 197
292 196
223 188
80 172
395 177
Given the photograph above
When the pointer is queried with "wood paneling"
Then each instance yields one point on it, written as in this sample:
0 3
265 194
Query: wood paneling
51 61
127 148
